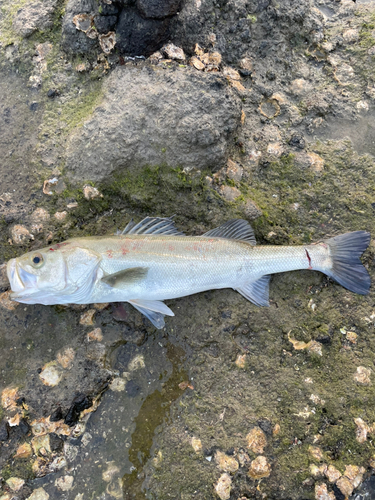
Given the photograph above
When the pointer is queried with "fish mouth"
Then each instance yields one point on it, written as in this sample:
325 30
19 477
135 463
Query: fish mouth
21 282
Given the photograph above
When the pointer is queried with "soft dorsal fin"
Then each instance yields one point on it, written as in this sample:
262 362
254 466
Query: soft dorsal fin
234 229
122 279
153 225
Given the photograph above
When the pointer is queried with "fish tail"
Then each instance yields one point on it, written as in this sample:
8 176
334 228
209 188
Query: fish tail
347 269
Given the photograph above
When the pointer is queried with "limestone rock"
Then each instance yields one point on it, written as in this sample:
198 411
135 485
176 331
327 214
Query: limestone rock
185 120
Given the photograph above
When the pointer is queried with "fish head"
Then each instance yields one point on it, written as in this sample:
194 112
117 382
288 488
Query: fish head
61 274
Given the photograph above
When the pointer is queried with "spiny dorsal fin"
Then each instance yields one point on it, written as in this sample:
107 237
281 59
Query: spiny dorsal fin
257 291
122 279
234 229
153 225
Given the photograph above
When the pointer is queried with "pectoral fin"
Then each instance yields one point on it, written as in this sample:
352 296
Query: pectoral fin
122 279
154 310
257 292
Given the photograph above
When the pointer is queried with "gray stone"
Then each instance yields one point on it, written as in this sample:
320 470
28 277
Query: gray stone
34 16
74 41
157 9
149 117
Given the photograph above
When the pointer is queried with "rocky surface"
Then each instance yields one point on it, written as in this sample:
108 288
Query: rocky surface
183 119
209 111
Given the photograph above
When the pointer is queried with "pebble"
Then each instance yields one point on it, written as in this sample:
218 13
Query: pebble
223 486
234 171
41 443
225 462
87 318
173 52
196 443
362 106
317 400
362 430
246 63
316 453
15 483
256 440
64 483
276 430
6 303
66 357
20 235
23 451
60 216
51 374
259 468
241 361
316 162
40 215
354 474
95 335
332 474
318 471
363 375
321 492
197 63
111 471
118 384
38 494
136 363
53 185
230 193
251 210
351 35
231 73
107 42
275 149
90 192
83 22
9 397
345 486
299 86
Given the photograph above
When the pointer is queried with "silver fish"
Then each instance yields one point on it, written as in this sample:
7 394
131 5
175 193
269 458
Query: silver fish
152 261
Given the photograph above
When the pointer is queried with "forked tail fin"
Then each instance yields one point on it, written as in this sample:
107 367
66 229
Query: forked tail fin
347 269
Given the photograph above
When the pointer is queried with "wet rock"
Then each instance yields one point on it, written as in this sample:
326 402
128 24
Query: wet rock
34 16
157 9
137 36
223 487
80 403
256 440
259 468
194 134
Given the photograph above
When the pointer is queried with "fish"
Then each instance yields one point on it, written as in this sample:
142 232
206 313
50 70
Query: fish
153 261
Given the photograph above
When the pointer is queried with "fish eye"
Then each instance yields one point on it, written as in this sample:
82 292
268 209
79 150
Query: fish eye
37 260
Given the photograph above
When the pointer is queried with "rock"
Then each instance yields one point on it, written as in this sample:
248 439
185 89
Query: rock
90 192
87 318
223 487
6 302
241 361
299 86
196 443
259 468
157 9
127 132
256 440
363 375
354 474
173 52
34 16
230 193
73 40
197 63
225 462
21 235
40 215
95 335
251 210
39 494
234 171
15 483
321 493
64 483
118 384
23 451
345 486
107 42
51 374
362 430
137 36
66 357
332 474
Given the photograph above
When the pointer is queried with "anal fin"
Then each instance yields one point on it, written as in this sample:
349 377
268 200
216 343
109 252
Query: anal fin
154 310
257 291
